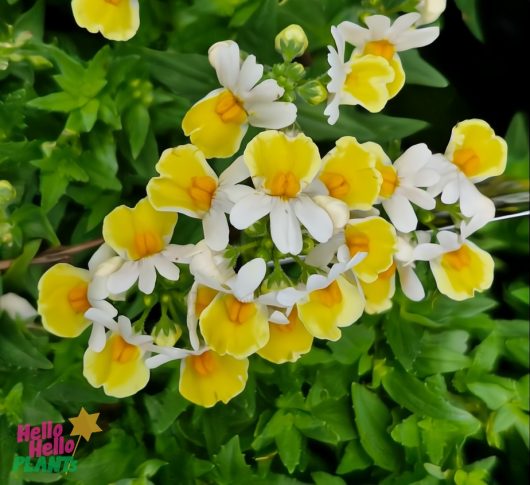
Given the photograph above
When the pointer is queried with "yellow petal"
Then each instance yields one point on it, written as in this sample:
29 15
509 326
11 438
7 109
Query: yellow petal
63 300
378 295
377 238
208 131
367 81
115 19
461 273
186 184
287 342
233 327
209 378
119 368
338 305
138 232
285 165
349 174
476 150
397 84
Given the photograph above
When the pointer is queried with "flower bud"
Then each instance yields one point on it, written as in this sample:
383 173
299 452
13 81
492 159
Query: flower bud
291 42
166 337
430 10
313 92
7 193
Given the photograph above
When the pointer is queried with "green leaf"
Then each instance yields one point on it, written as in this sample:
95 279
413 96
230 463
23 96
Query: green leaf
8 445
407 432
495 391
34 223
373 419
164 408
83 119
354 458
418 398
421 72
518 148
519 350
15 275
62 102
150 468
289 443
136 125
323 478
230 465
355 341
470 15
403 337
52 188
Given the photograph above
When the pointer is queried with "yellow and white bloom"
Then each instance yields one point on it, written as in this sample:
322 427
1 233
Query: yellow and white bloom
217 123
120 366
378 294
430 10
460 268
207 377
282 168
401 184
365 80
349 174
187 184
141 236
474 153
115 19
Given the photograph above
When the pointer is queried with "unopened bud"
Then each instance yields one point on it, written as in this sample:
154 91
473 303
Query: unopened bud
7 193
166 337
313 92
291 42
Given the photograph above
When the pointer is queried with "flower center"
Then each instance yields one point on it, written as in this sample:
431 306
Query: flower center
459 259
329 296
381 48
202 190
77 297
204 297
357 242
284 184
336 184
123 351
230 109
203 364
387 274
390 180
147 243
467 161
238 311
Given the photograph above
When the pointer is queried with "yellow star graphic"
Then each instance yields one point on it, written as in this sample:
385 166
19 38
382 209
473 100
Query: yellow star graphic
85 424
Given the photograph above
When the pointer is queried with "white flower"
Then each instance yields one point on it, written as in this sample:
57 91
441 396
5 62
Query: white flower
430 10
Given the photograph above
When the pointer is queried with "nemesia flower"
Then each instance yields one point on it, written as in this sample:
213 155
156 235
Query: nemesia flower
282 168
217 123
141 238
474 153
207 377
430 10
115 19
378 294
287 341
349 174
188 185
17 307
120 366
460 268
405 260
402 182
362 80
234 323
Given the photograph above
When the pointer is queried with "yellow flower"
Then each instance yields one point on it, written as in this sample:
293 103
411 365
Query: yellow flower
463 270
375 237
119 367
115 19
476 150
63 300
217 123
337 305
378 295
288 341
349 174
208 378
230 326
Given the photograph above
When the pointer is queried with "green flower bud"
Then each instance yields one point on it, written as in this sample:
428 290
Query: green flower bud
291 42
313 92
6 236
166 337
7 193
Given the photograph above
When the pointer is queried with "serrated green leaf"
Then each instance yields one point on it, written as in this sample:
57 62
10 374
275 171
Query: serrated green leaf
495 391
230 464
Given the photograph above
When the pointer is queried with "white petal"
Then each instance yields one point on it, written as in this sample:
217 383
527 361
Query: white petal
236 172
427 252
97 288
224 58
278 318
471 200
336 209
332 109
417 38
248 278
379 26
249 74
147 276
250 209
191 316
412 160
101 255
410 283
285 228
124 278
101 317
448 240
322 254
426 178
166 268
106 307
272 115
482 216
17 307
265 92
215 229
97 339
315 219
233 194
401 213
353 33
180 253
402 24
451 192
418 196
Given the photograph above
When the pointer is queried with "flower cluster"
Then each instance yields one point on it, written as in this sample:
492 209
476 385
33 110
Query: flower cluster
295 245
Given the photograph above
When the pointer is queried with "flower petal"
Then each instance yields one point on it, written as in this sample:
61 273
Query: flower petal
146 276
285 228
215 229
124 278
401 213
225 59
250 209
315 219
274 115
